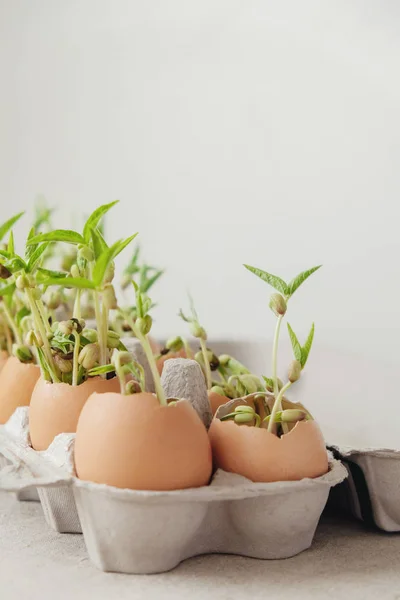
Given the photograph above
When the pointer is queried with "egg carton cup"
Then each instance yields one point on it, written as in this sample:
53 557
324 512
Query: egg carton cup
371 492
130 531
42 475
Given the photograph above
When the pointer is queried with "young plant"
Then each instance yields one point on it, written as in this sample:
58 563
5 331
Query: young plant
278 304
141 327
236 380
123 364
200 333
145 277
93 271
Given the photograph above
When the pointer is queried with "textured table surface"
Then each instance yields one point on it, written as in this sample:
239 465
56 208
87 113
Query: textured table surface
346 561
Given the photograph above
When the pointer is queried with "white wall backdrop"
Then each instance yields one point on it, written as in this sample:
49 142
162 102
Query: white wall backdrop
258 131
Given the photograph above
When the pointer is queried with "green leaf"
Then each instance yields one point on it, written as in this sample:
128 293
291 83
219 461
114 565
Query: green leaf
305 351
148 283
107 257
70 282
94 219
268 381
99 243
58 235
122 244
7 289
36 256
295 344
15 264
23 312
121 347
44 274
4 253
101 370
10 246
43 364
5 227
30 249
297 281
276 282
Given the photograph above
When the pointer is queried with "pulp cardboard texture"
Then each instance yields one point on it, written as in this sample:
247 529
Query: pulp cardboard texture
183 378
372 490
27 469
132 531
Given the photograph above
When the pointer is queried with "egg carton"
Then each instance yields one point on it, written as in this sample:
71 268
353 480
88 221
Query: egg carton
17 457
131 531
371 491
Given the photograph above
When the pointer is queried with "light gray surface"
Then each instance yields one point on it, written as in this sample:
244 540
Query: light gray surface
346 561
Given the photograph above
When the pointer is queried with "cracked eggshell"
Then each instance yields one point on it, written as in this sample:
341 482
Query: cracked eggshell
216 400
17 381
55 407
133 442
261 456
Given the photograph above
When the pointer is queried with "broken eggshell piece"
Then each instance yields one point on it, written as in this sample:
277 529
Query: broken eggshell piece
17 381
55 407
262 456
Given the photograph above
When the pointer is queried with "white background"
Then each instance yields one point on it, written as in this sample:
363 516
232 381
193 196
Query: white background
264 132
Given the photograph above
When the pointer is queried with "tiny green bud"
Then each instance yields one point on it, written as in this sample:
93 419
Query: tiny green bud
144 324
133 387
75 272
174 344
86 253
291 415
90 334
224 360
277 304
54 326
113 339
217 389
294 371
250 382
22 282
23 353
109 274
66 327
64 364
198 332
242 418
244 409
54 300
89 356
124 358
109 297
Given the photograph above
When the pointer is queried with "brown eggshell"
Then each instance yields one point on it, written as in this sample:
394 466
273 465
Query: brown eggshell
3 358
262 456
133 442
55 407
17 381
162 359
216 400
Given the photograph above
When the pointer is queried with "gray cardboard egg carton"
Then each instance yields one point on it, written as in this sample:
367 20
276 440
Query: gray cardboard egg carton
148 532
132 531
371 491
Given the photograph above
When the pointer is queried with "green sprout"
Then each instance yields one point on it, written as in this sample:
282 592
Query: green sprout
93 271
278 305
200 333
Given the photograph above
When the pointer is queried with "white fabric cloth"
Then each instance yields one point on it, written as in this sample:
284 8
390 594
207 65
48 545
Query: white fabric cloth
346 561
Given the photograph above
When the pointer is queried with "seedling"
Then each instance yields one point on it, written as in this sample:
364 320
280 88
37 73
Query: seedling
200 333
278 304
93 271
